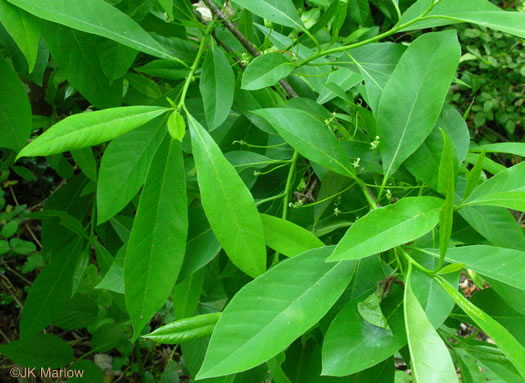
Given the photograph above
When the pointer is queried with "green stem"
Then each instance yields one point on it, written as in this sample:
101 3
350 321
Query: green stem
414 262
195 64
288 186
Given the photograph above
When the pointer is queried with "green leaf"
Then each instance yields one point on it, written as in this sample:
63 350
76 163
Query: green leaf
266 70
9 229
74 51
286 237
157 241
277 11
370 310
24 29
452 268
349 335
505 189
516 148
504 265
114 278
310 137
184 330
447 186
474 175
115 59
387 227
257 323
15 110
168 69
376 62
186 295
480 12
425 160
91 373
514 351
50 291
429 357
86 161
176 126
90 128
228 204
414 94
217 86
97 17
19 246
344 78
126 162
40 351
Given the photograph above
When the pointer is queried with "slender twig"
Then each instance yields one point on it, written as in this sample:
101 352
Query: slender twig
245 42
26 225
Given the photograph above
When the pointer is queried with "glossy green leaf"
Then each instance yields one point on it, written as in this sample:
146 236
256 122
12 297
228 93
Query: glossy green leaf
176 126
15 110
429 357
184 330
286 237
126 162
90 128
23 28
217 86
516 148
168 69
73 51
474 175
310 137
115 59
376 62
97 17
40 351
269 313
344 78
502 264
470 372
266 70
481 12
514 351
277 11
414 94
157 241
50 291
388 227
349 335
228 204
186 295
505 189
370 310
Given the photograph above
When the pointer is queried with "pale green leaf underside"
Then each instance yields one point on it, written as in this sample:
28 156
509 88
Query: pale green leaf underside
89 129
277 11
388 227
269 313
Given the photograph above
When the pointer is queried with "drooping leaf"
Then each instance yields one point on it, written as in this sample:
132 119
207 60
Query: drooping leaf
414 94
228 204
286 237
217 86
184 330
90 128
277 11
388 227
504 265
126 162
24 28
505 189
114 278
40 351
514 351
97 17
74 52
430 359
266 70
15 110
310 137
269 313
481 12
50 291
176 126
158 238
